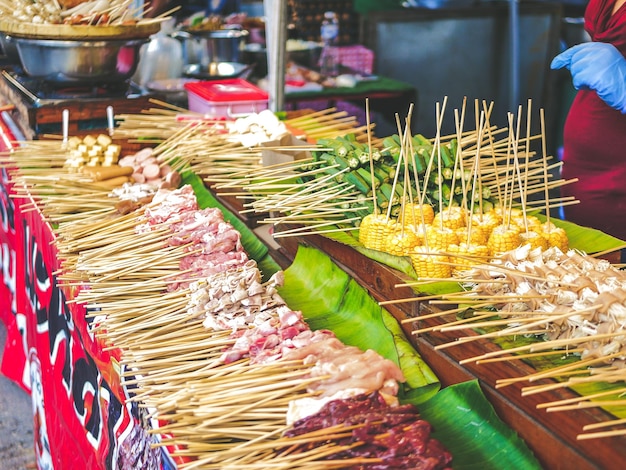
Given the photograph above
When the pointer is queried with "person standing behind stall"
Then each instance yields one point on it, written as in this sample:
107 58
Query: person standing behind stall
594 137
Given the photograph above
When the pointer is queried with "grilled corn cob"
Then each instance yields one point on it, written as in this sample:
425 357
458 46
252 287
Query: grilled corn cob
478 235
439 238
535 239
428 264
468 256
453 217
413 212
555 236
375 230
401 241
491 218
503 238
484 224
529 221
508 214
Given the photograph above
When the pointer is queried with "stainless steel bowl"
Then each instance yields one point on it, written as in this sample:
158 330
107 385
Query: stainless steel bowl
204 47
79 62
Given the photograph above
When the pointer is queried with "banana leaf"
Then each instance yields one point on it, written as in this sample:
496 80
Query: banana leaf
466 423
586 239
330 299
550 361
401 263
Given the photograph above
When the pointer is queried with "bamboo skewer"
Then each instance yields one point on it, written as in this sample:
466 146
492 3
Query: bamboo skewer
150 334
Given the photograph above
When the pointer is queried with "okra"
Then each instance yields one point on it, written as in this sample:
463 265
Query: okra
338 147
390 170
357 181
353 161
419 162
420 140
387 191
446 159
381 174
367 176
363 155
445 193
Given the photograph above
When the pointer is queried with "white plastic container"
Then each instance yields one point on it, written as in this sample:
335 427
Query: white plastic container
231 98
161 58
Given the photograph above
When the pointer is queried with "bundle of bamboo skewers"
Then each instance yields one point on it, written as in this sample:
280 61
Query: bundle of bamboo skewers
221 414
152 340
508 168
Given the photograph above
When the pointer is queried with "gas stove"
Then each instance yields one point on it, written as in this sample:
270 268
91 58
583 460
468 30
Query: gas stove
39 104
43 93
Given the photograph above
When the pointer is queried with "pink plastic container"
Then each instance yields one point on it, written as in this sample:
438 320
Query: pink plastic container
227 98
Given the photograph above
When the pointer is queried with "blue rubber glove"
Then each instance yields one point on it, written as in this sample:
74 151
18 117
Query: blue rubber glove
597 66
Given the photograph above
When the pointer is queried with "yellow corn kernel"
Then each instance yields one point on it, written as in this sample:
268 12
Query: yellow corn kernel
453 217
530 221
374 229
491 218
535 239
428 264
416 214
509 213
533 221
401 241
485 222
478 235
503 238
555 236
468 256
439 238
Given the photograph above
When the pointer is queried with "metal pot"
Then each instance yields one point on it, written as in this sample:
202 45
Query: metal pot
8 48
304 53
206 47
79 62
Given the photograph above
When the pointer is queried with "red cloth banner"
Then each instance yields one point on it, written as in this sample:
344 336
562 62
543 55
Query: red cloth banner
82 418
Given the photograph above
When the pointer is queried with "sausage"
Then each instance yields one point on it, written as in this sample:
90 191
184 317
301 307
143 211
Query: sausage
139 177
113 182
100 173
143 154
151 171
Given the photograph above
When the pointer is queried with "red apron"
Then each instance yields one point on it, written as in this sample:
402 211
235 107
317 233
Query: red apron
594 138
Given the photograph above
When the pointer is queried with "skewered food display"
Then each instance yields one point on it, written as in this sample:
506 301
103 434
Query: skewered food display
91 151
566 304
252 383
195 260
219 283
88 12
469 214
379 420
414 197
114 20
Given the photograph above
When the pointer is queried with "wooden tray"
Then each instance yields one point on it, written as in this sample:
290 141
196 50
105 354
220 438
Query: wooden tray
551 436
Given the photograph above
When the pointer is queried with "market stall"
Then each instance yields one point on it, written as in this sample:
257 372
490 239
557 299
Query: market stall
158 323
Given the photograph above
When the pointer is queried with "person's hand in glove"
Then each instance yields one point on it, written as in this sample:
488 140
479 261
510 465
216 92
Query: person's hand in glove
597 66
